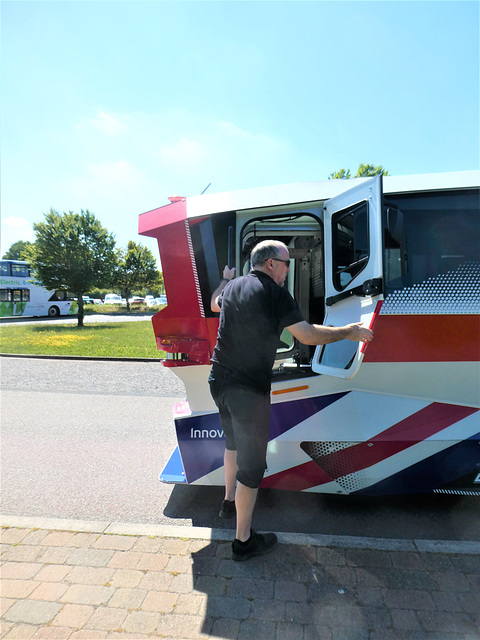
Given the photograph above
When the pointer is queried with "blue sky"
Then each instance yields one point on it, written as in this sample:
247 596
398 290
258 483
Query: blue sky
115 106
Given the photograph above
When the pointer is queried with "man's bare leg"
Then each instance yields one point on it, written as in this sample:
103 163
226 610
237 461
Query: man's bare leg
245 502
230 462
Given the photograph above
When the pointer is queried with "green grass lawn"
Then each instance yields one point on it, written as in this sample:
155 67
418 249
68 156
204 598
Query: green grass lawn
112 339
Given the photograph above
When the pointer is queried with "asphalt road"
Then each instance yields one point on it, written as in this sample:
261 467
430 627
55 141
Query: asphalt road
88 439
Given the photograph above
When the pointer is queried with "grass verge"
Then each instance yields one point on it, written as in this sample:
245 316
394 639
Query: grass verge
116 309
115 339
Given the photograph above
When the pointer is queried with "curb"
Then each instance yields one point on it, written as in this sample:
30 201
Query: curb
205 533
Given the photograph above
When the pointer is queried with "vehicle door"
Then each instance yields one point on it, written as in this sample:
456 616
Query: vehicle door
353 272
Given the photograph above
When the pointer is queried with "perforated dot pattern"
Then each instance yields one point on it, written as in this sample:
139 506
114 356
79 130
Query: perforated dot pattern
454 292
336 465
321 449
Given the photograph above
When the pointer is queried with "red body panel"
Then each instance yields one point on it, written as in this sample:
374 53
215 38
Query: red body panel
152 222
182 326
425 338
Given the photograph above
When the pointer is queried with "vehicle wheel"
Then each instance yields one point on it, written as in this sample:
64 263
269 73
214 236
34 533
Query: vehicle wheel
53 312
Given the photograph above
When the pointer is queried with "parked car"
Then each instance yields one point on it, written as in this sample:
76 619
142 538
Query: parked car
161 300
136 300
150 301
88 300
114 298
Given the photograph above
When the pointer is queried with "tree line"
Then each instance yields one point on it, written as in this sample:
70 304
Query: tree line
74 252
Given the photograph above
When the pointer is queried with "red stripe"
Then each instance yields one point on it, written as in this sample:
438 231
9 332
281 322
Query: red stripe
425 338
373 322
406 433
297 478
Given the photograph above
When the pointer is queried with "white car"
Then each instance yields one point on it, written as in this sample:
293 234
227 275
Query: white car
150 301
114 298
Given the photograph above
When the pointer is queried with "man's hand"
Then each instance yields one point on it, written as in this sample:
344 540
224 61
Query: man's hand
359 333
228 273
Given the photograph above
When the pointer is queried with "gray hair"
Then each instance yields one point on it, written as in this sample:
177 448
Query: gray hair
265 250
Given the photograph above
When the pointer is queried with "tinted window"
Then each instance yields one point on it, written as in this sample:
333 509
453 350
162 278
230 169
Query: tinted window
429 234
213 241
20 270
350 243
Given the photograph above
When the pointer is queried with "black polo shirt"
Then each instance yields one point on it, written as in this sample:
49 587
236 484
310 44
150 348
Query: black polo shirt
254 312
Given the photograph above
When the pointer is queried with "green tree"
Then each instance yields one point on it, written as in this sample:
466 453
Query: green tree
18 251
73 251
156 288
343 174
363 171
136 269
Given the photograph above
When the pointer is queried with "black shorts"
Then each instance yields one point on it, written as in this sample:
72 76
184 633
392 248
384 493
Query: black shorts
245 419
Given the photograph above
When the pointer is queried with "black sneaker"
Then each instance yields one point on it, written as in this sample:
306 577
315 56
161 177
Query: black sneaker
258 544
228 509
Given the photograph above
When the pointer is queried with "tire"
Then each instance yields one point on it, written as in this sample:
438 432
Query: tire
53 312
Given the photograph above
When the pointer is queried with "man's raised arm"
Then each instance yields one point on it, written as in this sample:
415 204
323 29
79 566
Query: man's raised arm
228 274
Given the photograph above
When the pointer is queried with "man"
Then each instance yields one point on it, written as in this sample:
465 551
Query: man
254 310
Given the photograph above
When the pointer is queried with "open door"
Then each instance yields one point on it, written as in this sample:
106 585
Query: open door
353 272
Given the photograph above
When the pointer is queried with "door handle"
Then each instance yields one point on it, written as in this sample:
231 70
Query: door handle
371 287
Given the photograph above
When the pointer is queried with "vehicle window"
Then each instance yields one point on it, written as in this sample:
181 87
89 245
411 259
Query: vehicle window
213 242
58 296
339 354
5 295
4 269
429 234
26 295
20 270
350 243
16 295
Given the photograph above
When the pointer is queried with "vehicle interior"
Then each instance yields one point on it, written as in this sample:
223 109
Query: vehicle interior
302 233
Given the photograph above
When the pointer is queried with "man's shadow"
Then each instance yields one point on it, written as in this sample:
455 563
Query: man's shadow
409 516
252 598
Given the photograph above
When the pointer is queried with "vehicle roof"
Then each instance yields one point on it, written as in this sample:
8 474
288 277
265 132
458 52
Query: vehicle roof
296 193
322 190
22 262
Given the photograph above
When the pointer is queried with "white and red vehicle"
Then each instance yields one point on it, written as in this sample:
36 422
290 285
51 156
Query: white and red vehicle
400 415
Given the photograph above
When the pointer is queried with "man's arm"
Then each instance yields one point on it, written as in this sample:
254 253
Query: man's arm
313 334
228 274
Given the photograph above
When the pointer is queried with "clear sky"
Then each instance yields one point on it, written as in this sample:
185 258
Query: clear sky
115 106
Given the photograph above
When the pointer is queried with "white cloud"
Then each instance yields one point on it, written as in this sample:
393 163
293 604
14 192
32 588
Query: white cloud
222 149
16 222
15 228
110 179
108 124
187 151
110 173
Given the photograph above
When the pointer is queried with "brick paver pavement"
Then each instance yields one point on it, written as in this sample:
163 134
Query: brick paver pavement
95 585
